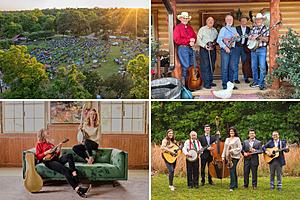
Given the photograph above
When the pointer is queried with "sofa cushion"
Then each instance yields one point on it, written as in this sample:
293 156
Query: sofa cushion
92 172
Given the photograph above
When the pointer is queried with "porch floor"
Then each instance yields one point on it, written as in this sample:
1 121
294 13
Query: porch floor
244 91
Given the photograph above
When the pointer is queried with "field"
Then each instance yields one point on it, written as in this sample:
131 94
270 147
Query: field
91 53
160 190
292 167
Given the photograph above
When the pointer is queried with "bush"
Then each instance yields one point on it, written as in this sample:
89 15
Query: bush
288 60
5 44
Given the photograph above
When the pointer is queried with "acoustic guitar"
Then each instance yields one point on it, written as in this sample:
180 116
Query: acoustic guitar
171 158
274 153
33 181
52 154
194 80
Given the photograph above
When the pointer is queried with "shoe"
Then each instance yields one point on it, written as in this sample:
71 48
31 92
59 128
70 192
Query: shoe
237 82
82 191
262 88
211 183
245 187
207 87
254 187
202 183
231 190
253 85
224 88
279 189
196 186
213 85
190 187
172 188
272 189
247 81
235 88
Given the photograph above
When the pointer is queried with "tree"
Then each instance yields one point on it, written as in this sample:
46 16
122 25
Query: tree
93 82
25 76
68 84
138 68
12 29
288 60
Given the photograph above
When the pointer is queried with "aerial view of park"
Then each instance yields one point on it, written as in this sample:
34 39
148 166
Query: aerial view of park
74 49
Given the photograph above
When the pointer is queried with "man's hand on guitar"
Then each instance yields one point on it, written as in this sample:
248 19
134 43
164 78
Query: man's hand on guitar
188 155
227 50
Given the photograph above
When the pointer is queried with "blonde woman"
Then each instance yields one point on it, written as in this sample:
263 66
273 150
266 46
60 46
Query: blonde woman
57 163
90 128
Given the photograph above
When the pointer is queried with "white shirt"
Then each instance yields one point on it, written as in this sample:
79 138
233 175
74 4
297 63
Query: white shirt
276 143
243 32
190 145
251 142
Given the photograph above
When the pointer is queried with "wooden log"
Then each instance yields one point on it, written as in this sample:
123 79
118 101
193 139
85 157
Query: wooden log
274 40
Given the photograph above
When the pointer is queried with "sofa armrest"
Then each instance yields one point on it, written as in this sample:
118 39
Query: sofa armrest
24 160
119 159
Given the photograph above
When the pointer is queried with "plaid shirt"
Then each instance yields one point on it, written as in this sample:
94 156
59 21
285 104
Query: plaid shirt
258 30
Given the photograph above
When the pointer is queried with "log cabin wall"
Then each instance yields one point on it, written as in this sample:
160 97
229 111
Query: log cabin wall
136 145
289 9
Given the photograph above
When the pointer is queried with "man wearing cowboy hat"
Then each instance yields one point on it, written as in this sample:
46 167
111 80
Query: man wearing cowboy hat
241 52
185 38
259 55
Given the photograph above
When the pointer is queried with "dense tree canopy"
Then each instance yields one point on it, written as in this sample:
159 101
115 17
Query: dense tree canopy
264 117
81 21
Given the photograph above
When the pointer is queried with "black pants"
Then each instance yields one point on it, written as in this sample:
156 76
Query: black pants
205 162
247 167
85 150
58 165
192 169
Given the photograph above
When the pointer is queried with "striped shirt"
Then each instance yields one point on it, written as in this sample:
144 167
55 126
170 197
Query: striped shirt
259 30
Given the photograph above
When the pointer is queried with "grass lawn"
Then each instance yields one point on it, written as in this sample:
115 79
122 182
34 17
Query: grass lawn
160 189
110 67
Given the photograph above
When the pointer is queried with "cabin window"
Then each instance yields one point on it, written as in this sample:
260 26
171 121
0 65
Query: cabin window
123 117
23 117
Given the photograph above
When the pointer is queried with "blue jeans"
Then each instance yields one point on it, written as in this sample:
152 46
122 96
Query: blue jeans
186 59
233 174
240 53
258 59
227 66
207 74
171 169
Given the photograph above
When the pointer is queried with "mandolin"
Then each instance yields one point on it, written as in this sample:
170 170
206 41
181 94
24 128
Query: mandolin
33 181
52 154
274 153
171 158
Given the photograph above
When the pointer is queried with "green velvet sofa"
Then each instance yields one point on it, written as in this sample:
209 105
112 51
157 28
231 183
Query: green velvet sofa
109 165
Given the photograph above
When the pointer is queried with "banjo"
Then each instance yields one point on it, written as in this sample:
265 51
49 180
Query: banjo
254 44
193 155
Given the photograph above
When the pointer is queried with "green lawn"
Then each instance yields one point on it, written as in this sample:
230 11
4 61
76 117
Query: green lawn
110 67
160 189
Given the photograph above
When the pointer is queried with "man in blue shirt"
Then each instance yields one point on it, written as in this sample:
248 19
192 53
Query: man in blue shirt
226 40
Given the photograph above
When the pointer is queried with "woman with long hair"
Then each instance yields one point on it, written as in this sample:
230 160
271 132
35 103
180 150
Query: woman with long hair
232 154
90 129
166 146
57 163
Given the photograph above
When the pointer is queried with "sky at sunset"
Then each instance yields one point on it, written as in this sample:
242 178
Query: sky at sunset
43 4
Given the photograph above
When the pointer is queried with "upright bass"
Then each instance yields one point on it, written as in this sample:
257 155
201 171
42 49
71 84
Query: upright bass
217 167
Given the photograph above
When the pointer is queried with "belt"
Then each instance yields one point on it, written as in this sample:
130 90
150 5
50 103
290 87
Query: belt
185 46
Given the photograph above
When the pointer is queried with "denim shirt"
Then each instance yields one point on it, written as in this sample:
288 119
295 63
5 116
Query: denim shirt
226 32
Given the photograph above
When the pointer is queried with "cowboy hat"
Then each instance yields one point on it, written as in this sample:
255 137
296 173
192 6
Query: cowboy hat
184 15
259 16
